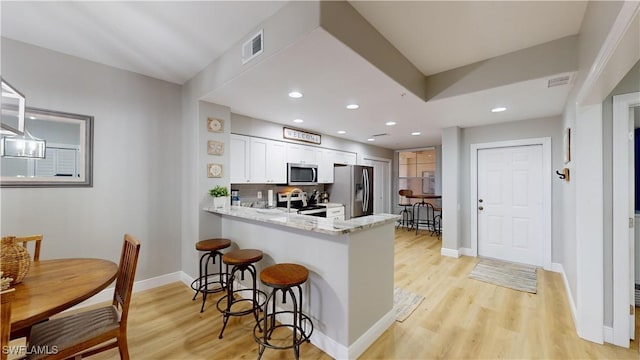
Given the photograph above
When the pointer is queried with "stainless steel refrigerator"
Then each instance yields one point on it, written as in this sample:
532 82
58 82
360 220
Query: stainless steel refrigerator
353 187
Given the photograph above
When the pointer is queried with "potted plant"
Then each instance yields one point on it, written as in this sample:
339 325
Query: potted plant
220 195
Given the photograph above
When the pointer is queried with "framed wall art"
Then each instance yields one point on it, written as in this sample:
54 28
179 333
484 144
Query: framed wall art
566 140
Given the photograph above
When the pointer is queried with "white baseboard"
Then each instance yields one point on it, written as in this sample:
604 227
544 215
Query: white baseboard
370 336
556 267
107 294
466 252
450 253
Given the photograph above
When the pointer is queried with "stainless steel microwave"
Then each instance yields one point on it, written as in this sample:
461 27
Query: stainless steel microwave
302 174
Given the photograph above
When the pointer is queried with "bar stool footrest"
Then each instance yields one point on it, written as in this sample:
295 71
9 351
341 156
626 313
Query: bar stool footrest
264 338
261 299
204 287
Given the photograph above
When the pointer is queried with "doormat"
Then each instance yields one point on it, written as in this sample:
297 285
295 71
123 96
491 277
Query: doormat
514 276
405 302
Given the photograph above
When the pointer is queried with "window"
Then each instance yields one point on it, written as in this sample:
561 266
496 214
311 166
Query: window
416 171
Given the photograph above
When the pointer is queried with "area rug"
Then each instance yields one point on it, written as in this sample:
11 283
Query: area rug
514 276
405 302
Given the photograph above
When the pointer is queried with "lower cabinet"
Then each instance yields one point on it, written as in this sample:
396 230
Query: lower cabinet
335 213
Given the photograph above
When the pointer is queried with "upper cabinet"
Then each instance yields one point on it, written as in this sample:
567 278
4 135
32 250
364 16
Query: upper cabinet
301 154
239 159
268 161
263 161
327 158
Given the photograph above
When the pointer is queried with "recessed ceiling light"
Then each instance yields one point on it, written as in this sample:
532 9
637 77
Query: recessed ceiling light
353 106
341 132
415 133
498 109
295 94
32 117
371 139
298 120
390 123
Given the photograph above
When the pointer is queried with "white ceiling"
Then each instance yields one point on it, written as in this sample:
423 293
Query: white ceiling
175 40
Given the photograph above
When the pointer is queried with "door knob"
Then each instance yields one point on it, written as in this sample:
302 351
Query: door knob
479 200
480 208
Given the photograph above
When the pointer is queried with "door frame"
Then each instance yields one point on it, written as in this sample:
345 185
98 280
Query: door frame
621 199
546 191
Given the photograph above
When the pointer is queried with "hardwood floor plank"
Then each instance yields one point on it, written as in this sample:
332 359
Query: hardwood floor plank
460 318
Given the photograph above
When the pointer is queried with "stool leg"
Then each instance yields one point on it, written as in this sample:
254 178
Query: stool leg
296 345
199 280
252 270
225 315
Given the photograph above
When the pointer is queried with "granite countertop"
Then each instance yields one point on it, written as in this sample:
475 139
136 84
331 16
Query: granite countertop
306 222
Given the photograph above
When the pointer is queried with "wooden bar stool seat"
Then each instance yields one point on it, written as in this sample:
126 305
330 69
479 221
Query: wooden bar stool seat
241 261
283 278
209 283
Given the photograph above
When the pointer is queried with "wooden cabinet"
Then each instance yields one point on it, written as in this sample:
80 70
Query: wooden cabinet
267 161
239 159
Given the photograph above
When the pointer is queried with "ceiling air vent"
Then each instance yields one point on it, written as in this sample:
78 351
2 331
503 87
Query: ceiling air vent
559 81
252 48
383 134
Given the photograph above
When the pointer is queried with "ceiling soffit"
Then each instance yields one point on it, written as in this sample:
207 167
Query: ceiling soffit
342 21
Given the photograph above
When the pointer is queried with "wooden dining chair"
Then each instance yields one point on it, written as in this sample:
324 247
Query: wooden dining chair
28 239
93 331
6 297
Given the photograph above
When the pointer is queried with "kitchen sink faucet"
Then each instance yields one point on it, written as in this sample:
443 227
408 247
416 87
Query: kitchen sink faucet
304 200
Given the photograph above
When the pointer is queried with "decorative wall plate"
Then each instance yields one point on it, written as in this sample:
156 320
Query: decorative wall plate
215 147
214 170
215 125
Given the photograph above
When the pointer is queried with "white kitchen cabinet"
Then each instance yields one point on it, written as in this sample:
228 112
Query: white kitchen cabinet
335 213
301 154
327 158
268 163
239 159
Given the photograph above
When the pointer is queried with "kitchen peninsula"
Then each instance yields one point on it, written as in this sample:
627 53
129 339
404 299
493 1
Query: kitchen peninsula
349 295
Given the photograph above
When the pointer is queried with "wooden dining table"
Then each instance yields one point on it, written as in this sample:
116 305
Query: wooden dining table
52 286
424 196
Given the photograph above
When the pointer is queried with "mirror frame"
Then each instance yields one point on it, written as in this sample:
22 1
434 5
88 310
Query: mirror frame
10 182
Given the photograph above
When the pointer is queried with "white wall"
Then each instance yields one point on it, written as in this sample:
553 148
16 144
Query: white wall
137 177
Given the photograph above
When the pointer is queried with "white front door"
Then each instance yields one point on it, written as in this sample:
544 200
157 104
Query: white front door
509 204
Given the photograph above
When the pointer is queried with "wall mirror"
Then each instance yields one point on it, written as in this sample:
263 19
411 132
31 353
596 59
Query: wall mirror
68 150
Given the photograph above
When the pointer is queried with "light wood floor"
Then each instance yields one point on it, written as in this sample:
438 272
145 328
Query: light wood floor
460 318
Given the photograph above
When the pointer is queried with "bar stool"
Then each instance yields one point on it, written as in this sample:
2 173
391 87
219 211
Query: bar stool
406 218
241 261
284 278
428 221
201 284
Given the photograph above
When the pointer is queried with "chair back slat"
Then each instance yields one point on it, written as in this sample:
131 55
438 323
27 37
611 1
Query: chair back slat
25 240
126 275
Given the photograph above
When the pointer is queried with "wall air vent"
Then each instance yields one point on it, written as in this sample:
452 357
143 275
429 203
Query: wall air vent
253 47
559 81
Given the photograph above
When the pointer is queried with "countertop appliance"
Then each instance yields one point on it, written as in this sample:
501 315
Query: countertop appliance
353 187
298 202
302 174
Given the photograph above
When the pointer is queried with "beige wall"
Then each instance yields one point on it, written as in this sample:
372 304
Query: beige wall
137 177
